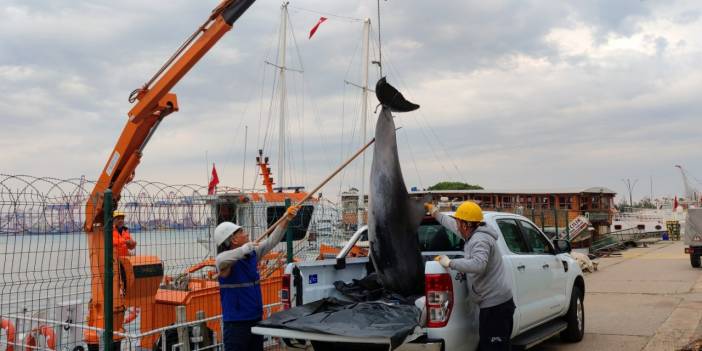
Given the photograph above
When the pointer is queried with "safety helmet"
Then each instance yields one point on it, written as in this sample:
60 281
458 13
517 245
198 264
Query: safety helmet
117 213
469 211
223 231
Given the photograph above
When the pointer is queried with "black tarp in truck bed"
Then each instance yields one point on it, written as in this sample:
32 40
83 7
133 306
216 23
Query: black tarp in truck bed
351 319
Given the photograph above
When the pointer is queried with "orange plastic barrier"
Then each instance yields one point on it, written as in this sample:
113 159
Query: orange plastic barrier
9 328
44 330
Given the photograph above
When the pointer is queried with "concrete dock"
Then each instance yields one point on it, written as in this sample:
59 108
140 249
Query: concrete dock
646 299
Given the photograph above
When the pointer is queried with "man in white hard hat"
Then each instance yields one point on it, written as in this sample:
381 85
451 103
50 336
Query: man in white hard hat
239 289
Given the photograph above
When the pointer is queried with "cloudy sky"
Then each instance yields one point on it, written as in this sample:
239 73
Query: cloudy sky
514 94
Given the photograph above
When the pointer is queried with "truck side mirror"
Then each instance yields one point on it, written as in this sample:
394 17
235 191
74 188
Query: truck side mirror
562 245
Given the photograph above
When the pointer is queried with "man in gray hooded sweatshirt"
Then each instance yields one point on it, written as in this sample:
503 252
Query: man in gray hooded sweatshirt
484 268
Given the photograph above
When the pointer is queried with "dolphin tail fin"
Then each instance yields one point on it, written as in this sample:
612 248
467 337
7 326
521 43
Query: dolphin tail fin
392 98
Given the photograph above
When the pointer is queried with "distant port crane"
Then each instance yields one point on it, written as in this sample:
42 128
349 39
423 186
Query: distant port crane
691 193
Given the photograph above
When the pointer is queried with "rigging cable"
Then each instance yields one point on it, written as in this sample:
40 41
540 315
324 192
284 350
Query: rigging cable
297 96
270 107
319 124
380 48
241 121
351 145
373 53
421 129
343 118
442 146
409 146
327 14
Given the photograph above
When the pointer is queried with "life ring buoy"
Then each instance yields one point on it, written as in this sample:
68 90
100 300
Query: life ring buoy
31 341
132 313
9 328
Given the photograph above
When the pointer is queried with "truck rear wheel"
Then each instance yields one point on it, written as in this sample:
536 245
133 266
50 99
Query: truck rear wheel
575 318
695 260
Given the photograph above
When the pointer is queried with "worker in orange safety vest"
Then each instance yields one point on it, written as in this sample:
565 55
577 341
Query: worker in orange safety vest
122 242
121 239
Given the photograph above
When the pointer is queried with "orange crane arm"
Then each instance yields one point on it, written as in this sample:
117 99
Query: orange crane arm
155 101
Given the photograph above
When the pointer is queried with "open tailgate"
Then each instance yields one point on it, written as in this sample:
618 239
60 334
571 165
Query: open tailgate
301 335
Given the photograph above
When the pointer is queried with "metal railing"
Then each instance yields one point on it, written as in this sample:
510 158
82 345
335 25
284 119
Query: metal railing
128 341
621 239
47 276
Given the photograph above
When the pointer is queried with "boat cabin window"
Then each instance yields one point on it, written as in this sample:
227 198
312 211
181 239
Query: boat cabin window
617 227
226 212
298 225
641 226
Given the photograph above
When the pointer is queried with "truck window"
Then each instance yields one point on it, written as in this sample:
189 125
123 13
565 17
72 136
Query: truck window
434 237
513 238
538 243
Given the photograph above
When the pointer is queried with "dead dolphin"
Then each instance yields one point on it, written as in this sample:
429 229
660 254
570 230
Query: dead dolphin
393 218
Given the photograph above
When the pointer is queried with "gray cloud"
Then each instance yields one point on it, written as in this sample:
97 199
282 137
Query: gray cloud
514 93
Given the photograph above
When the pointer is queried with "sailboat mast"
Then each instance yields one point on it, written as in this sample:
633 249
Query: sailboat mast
283 92
364 117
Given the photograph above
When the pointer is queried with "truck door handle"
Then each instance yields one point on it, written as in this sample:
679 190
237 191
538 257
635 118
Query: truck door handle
545 266
521 267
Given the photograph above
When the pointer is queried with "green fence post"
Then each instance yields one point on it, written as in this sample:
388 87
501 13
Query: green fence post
555 220
289 236
108 312
567 228
543 220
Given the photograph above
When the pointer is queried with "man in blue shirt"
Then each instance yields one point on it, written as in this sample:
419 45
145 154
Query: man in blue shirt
239 281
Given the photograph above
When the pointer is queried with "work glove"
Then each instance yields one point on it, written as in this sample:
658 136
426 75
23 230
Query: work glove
443 260
291 212
247 248
429 207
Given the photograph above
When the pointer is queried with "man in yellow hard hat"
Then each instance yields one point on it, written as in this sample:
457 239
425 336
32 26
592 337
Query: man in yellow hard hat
488 285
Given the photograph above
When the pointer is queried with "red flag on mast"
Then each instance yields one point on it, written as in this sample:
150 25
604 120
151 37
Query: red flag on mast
213 182
675 203
314 29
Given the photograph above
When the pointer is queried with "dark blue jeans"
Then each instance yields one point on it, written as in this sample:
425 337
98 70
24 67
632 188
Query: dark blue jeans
238 337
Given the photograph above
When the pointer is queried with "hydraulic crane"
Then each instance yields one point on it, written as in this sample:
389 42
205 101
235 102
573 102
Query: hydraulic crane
154 101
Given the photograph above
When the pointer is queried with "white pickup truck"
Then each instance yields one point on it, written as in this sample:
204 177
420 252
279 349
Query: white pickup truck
548 289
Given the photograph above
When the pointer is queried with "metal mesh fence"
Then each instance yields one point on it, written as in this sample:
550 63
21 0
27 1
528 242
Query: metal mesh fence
552 221
52 286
